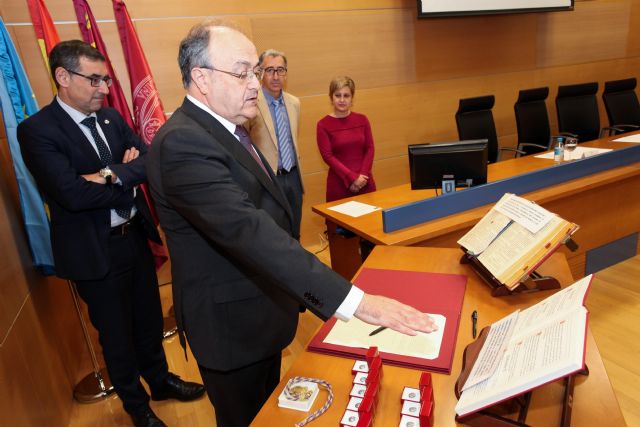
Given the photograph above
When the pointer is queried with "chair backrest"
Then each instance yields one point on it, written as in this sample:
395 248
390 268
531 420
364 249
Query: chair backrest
532 119
577 108
474 120
621 102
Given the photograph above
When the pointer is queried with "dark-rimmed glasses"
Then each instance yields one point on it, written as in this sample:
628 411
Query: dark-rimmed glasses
96 81
244 76
270 71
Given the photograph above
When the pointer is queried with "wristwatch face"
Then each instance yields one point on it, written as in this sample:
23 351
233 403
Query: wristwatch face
105 173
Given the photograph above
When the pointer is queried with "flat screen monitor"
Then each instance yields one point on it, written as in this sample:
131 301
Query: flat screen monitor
438 8
464 161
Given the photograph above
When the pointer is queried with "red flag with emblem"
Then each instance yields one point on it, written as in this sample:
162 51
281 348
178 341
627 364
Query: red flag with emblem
147 107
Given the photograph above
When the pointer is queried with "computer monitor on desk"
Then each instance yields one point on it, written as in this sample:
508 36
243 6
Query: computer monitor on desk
464 161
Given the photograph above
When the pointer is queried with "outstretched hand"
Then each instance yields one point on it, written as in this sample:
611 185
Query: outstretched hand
383 311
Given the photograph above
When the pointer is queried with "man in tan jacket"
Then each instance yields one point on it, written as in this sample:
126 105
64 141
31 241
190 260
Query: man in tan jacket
275 130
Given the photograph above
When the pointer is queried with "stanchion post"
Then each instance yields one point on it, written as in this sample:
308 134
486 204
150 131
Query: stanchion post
96 385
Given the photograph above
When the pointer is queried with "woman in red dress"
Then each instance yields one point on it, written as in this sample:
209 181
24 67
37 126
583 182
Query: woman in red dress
346 144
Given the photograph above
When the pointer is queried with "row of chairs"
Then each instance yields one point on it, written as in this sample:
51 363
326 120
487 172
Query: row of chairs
578 116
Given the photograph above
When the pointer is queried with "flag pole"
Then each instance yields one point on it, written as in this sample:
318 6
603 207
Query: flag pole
96 385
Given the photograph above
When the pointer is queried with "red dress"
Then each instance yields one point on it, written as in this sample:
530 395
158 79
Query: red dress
346 145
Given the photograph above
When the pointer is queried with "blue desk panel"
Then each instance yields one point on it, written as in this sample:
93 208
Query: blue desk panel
399 217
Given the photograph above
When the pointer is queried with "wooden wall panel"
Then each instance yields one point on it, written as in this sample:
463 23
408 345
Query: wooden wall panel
594 31
470 46
35 387
202 8
374 47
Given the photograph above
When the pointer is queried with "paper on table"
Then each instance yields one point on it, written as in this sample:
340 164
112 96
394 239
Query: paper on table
577 154
630 138
526 213
354 209
355 333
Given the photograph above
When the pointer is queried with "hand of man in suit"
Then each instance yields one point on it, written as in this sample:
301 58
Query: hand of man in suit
129 155
383 311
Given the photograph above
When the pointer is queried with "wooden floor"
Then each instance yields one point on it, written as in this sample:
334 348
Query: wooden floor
614 305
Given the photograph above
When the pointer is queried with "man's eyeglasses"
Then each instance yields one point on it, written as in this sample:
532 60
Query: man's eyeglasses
244 76
270 71
96 81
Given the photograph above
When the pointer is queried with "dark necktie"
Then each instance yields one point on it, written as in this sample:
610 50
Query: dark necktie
245 140
104 153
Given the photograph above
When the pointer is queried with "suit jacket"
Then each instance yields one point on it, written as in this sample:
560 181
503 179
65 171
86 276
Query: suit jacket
263 132
57 152
238 275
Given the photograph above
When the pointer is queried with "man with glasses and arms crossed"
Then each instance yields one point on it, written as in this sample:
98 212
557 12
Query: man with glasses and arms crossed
239 276
87 163
275 130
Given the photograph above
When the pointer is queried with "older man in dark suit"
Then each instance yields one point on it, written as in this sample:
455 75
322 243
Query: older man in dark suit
238 274
87 163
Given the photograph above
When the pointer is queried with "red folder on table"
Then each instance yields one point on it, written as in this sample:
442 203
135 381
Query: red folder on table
435 293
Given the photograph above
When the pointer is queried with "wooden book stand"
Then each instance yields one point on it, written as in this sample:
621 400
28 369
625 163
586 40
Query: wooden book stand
497 415
529 283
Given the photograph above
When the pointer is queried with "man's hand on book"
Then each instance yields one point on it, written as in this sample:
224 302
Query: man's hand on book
383 311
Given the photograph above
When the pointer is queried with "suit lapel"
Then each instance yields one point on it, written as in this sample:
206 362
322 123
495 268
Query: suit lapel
229 142
75 137
265 113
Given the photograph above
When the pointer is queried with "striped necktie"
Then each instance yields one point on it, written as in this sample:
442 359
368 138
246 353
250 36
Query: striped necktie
104 153
285 149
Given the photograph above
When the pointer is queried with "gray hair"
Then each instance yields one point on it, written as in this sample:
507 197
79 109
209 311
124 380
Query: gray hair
194 48
274 53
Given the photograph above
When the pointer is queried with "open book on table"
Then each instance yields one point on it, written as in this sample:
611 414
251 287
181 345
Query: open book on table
527 349
515 237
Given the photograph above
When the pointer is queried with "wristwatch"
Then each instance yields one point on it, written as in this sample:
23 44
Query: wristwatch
106 173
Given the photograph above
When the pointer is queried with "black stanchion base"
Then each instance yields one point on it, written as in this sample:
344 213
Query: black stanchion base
169 325
93 387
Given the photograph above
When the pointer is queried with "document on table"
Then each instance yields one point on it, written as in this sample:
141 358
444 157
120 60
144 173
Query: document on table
630 138
354 209
355 333
577 154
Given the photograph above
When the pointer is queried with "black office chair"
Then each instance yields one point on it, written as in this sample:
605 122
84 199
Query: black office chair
474 120
532 120
622 105
577 108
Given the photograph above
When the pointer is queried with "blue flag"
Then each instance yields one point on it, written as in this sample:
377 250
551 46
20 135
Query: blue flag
17 103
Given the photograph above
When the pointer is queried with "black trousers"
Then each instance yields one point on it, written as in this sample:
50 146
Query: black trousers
238 395
125 309
292 189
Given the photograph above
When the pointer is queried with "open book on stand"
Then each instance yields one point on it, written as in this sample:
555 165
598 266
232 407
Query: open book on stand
525 350
512 240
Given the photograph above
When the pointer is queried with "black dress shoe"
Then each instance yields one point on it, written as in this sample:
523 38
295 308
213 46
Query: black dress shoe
175 388
146 418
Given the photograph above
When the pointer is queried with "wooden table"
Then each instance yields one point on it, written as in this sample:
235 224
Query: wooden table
606 205
594 401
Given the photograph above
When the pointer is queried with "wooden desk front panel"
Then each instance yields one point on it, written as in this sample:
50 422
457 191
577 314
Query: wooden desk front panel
594 401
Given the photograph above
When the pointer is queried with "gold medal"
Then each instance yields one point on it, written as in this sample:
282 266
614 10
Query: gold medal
300 392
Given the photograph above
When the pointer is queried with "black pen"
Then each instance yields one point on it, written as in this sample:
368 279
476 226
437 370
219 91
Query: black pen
377 331
474 323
